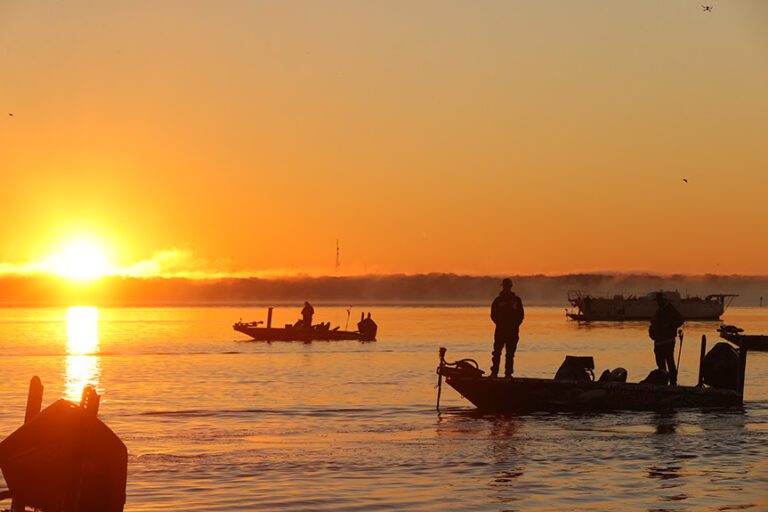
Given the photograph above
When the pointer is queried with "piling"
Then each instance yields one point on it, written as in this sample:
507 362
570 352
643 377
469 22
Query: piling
34 404
34 398
269 317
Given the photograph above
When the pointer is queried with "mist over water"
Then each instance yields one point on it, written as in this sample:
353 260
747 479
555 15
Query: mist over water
214 422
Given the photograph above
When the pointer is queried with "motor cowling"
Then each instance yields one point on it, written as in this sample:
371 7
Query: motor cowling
721 367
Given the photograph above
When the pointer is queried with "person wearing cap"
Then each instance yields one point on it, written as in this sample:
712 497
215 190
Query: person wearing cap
663 329
507 313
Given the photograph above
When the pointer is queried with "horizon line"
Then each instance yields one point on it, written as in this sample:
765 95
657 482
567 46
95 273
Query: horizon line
201 276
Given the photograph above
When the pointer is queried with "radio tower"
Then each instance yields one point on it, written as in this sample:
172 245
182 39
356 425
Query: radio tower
338 262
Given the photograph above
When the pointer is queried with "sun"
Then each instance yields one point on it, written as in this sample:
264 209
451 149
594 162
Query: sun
81 260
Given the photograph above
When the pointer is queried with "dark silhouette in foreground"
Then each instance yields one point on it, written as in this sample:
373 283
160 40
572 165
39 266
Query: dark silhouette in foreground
507 313
663 329
64 459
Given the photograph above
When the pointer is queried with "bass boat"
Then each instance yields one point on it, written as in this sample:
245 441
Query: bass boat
721 384
620 308
366 331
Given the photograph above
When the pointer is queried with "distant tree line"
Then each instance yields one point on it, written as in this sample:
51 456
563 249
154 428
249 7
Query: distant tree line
388 289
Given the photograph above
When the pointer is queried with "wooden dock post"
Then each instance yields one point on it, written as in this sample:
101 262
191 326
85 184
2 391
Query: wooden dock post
90 400
34 404
34 398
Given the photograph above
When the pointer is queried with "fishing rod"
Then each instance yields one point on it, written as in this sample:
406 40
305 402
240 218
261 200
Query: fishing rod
680 352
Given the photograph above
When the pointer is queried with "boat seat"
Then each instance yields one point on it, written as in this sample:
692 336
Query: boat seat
576 368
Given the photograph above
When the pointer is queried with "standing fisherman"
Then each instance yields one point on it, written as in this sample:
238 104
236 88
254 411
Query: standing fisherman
507 313
306 315
663 329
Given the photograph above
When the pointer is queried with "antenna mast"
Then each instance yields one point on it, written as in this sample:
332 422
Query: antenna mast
338 262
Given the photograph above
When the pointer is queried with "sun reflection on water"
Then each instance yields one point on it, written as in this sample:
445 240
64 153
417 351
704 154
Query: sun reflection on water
83 365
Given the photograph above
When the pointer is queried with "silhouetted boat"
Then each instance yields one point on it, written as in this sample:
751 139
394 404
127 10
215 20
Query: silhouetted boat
367 330
733 334
522 395
619 308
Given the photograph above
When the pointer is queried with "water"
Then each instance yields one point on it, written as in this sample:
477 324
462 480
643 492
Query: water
213 422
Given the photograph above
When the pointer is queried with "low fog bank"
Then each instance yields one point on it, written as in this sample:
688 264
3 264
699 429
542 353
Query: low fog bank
423 289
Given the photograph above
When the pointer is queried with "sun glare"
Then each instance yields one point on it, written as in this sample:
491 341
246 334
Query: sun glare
83 365
80 260
82 330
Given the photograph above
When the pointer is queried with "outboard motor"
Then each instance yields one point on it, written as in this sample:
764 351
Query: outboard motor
367 329
721 367
576 368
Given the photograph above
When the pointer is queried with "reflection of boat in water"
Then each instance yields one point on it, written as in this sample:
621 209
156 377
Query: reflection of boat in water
721 384
735 336
618 307
366 331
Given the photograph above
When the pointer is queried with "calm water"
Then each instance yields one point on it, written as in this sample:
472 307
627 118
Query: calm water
213 422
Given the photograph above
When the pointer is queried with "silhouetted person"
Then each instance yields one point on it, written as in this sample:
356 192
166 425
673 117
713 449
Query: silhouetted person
306 315
507 313
663 329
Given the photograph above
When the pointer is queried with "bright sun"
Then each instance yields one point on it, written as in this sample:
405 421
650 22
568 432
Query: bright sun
80 260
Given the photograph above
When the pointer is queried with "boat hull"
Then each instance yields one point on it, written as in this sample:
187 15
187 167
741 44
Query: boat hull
751 341
522 395
620 308
296 334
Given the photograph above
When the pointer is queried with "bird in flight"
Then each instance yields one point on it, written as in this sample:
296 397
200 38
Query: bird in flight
685 180
706 8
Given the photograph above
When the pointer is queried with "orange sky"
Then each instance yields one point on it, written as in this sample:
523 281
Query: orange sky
471 137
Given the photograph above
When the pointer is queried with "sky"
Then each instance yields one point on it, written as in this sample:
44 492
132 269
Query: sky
209 138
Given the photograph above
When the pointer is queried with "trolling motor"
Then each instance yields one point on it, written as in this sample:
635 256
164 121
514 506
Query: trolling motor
366 327
64 459
463 367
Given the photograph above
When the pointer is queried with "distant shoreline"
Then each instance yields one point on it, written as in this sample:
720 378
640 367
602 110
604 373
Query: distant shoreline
420 290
